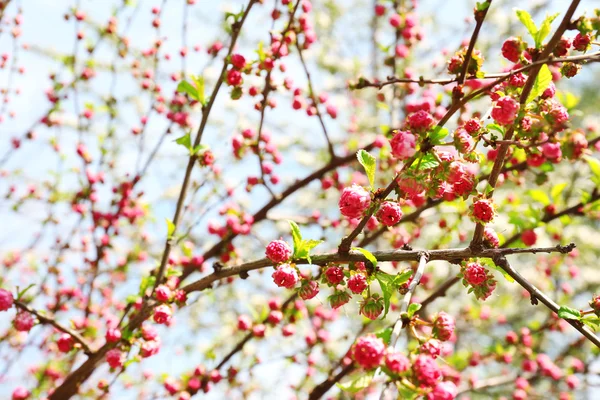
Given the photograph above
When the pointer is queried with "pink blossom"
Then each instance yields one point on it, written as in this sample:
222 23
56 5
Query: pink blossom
6 300
278 251
285 276
505 110
390 213
403 145
368 351
354 201
426 370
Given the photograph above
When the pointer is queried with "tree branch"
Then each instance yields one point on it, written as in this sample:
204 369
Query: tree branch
49 320
537 294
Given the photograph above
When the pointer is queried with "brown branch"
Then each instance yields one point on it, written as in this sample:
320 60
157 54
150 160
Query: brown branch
500 76
322 388
49 320
235 31
240 345
451 255
313 97
479 18
267 89
538 295
567 211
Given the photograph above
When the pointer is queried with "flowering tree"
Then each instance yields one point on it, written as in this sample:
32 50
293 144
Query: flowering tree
262 213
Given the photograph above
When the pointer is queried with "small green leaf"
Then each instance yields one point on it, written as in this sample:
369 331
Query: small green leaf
402 277
412 309
369 163
539 195
296 236
594 164
146 283
382 106
387 289
185 141
557 190
385 334
186 87
503 272
170 228
437 134
526 20
20 293
428 161
305 247
544 30
496 127
591 320
367 254
361 383
482 6
542 81
174 272
126 334
130 361
569 313
199 81
198 149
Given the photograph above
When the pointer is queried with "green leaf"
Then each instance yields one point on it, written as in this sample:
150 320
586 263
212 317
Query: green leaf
594 164
568 99
542 81
428 161
130 361
526 20
488 190
591 320
198 149
539 195
544 30
402 277
186 87
412 309
170 228
497 128
382 106
482 6
199 81
146 283
437 134
367 254
20 293
557 190
361 383
385 334
305 247
174 272
185 141
369 163
302 247
569 313
387 289
503 272
296 236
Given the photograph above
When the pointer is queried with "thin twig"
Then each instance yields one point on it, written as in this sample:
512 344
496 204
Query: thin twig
49 320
